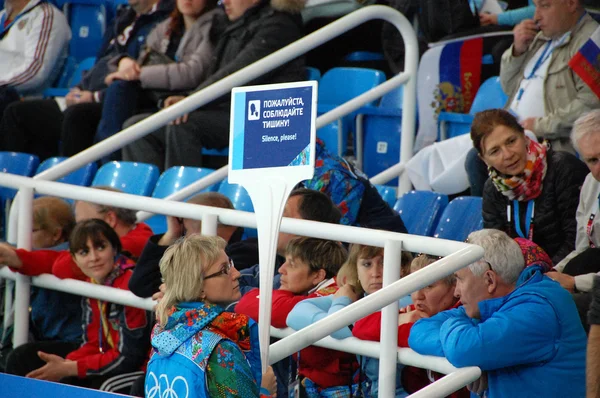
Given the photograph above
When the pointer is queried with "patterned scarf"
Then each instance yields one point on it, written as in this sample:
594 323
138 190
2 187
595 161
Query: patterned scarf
527 185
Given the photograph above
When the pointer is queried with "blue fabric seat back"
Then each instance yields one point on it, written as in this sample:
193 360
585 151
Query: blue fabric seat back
130 177
87 19
421 211
23 164
238 195
339 85
173 180
461 217
329 135
312 73
382 132
82 176
489 96
388 193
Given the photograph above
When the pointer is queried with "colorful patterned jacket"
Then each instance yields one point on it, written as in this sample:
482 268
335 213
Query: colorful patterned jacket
203 351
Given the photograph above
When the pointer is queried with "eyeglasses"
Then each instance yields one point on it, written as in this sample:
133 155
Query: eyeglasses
224 271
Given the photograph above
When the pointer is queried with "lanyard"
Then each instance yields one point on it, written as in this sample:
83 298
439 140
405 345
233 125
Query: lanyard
290 380
540 61
590 226
528 219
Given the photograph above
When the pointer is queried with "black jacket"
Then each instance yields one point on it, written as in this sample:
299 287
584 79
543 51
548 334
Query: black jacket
146 278
113 44
555 226
262 30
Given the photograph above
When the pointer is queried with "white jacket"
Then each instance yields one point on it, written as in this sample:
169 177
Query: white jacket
33 48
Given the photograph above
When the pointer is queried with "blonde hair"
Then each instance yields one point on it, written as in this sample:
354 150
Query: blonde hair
183 266
423 260
51 213
348 274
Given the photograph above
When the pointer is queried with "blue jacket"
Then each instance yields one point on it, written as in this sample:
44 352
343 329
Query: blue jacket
182 350
530 342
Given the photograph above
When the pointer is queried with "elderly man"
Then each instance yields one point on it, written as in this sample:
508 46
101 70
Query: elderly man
517 325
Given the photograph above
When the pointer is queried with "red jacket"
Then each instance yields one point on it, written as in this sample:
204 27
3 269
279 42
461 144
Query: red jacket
61 264
129 329
413 378
325 367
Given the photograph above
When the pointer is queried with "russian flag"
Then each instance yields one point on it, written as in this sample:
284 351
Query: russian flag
586 63
448 78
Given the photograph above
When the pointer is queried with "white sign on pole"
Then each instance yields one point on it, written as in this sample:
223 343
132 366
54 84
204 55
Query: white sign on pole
271 149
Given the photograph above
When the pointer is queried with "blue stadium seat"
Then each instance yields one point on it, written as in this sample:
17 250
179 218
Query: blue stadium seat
238 195
71 76
378 133
171 181
23 164
16 386
387 193
358 56
421 211
329 135
489 96
87 19
312 73
130 177
461 217
82 176
339 85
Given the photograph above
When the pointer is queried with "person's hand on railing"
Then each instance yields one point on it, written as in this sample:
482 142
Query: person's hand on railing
348 291
269 382
172 100
56 368
175 231
479 386
9 257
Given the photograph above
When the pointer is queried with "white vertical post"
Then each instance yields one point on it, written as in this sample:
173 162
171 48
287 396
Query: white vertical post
209 224
23 282
9 286
389 322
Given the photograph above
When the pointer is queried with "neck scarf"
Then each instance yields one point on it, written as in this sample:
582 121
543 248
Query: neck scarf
527 185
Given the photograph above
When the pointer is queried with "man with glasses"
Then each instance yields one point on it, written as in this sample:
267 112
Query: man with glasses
520 327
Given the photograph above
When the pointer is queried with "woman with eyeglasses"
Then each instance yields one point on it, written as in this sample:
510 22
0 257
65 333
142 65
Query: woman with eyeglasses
532 191
199 349
115 338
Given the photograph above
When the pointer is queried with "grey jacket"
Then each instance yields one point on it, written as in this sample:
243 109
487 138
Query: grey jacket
588 204
566 96
193 56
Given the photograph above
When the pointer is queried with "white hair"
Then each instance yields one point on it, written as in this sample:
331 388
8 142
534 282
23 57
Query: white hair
502 254
588 123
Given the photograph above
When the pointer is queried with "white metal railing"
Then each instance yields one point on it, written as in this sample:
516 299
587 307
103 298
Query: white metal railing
457 254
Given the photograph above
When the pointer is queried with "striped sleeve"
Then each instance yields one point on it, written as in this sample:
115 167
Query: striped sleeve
34 47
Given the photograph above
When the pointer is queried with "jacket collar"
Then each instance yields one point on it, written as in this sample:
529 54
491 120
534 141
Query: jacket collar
566 38
528 276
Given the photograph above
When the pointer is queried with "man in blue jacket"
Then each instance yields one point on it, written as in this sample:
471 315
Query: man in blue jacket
520 327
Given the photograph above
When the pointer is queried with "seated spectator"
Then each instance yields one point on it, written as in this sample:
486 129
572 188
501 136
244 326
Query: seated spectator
543 91
532 191
176 58
60 263
593 349
20 126
362 274
427 302
506 18
517 325
576 271
34 38
309 270
350 190
116 336
215 353
252 30
146 278
303 204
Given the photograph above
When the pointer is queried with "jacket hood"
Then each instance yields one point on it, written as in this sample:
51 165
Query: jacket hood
185 320
291 6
